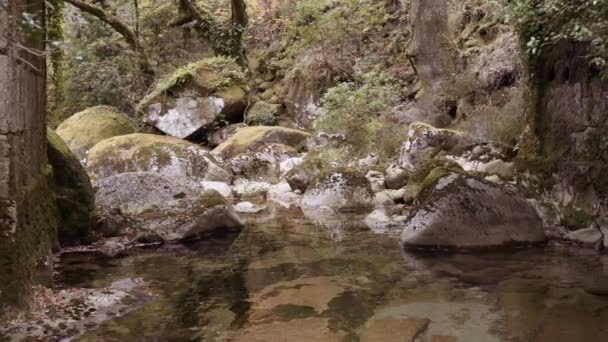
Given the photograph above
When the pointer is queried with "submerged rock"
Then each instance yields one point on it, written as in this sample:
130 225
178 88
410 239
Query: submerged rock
340 190
73 191
459 211
196 98
252 139
154 153
83 130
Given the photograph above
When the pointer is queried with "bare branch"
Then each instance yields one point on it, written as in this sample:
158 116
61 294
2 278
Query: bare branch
120 27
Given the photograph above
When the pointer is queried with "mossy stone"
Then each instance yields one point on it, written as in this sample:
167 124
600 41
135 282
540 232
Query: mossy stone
73 190
83 130
251 139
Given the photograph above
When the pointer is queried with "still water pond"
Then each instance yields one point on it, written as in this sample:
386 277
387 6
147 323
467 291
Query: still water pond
284 279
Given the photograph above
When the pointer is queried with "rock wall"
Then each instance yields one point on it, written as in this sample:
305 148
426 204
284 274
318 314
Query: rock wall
27 206
571 123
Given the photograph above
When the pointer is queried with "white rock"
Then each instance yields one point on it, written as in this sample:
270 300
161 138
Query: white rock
248 208
223 188
281 193
376 181
250 189
290 163
380 223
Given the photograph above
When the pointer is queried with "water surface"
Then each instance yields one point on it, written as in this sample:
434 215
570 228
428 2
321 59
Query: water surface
284 279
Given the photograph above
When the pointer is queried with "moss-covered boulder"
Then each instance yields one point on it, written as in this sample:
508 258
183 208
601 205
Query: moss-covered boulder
300 176
252 139
263 114
154 153
340 190
73 190
83 130
461 211
196 98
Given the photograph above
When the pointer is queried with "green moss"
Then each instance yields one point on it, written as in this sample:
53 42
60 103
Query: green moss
72 186
36 217
85 129
250 138
426 175
211 198
262 114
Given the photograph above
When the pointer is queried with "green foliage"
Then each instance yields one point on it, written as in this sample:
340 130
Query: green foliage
355 108
333 22
545 22
262 114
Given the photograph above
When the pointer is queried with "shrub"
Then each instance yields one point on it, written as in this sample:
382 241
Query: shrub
355 108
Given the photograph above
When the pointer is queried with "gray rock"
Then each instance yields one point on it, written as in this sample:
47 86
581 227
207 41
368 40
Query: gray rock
424 142
396 177
218 136
588 236
500 168
341 190
465 212
173 208
192 218
135 192
283 195
263 165
376 181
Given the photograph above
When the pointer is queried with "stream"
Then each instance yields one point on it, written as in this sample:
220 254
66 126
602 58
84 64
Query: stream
285 279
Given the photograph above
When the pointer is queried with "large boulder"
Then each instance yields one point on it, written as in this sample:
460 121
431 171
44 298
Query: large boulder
253 139
197 98
154 153
459 211
73 191
340 190
172 208
83 130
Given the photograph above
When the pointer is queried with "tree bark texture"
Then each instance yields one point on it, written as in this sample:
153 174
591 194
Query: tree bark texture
26 204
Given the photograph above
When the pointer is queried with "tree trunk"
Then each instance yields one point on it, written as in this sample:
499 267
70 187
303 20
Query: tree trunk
27 207
225 40
431 56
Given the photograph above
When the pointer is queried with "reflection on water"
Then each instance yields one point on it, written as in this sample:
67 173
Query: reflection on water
284 279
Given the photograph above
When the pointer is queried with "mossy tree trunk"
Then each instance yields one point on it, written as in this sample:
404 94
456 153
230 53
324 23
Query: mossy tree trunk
27 207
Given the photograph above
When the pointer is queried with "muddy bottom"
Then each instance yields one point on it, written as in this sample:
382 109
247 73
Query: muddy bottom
284 279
